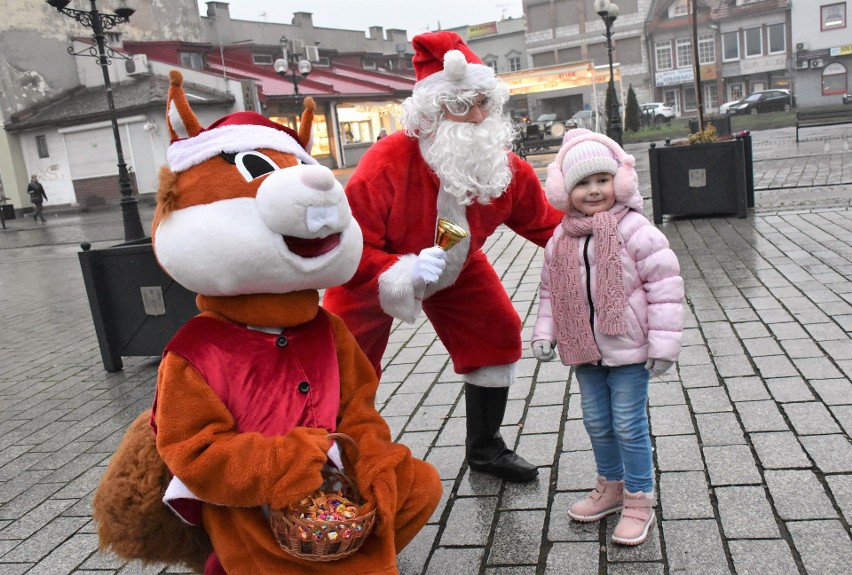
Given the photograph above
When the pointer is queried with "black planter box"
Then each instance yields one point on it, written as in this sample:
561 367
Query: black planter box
136 307
702 179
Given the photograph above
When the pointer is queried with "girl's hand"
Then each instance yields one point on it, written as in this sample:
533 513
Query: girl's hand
658 366
543 350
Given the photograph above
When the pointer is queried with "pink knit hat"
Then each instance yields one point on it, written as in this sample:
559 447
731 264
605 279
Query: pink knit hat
584 153
585 158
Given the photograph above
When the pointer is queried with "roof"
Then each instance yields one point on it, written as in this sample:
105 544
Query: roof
81 104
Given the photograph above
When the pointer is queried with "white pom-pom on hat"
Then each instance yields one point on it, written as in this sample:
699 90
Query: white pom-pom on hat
455 66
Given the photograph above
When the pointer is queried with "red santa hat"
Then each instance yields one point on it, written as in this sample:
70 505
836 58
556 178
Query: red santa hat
237 132
442 61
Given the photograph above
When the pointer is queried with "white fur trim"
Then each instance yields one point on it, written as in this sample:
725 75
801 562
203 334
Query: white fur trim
396 290
183 154
178 490
476 77
492 376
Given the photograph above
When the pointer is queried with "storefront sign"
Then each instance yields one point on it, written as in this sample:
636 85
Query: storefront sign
674 77
557 78
480 30
767 64
841 50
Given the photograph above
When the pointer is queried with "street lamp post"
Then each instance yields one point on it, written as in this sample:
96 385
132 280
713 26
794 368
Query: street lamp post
299 70
609 12
98 22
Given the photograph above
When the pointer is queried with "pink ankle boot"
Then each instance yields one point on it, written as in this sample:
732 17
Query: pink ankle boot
604 499
637 517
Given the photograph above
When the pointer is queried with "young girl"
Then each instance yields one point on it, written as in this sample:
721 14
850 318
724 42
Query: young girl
611 303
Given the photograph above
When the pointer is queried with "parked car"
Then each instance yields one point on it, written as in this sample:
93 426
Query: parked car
764 101
847 98
657 111
587 119
549 124
726 107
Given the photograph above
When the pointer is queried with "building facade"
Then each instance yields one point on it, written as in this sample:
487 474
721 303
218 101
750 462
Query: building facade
822 42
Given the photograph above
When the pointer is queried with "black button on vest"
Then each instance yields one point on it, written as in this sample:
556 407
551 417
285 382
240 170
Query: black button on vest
281 341
304 386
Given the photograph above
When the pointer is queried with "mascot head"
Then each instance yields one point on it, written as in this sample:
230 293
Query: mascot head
243 208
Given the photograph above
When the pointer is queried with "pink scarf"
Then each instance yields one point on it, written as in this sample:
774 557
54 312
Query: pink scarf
574 337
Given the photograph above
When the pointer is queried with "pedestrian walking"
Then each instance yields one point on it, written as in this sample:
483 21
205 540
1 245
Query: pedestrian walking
450 161
37 197
611 303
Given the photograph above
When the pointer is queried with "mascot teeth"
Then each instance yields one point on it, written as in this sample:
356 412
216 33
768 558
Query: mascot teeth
318 216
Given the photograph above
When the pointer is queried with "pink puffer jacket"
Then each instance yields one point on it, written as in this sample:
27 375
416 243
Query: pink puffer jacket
653 291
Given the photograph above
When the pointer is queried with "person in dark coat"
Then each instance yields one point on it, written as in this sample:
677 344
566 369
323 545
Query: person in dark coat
37 197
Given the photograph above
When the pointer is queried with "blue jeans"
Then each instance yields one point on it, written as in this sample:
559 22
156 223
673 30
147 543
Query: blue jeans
615 416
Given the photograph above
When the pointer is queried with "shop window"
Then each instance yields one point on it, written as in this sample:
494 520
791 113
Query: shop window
833 16
777 38
320 144
737 91
684 52
753 42
663 51
834 79
41 145
730 46
357 132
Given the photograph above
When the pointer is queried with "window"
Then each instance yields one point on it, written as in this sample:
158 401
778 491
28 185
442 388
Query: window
690 102
684 52
192 60
730 46
777 38
737 91
356 132
514 64
711 99
664 55
834 79
679 8
833 16
368 64
113 39
706 49
753 42
261 59
41 144
491 64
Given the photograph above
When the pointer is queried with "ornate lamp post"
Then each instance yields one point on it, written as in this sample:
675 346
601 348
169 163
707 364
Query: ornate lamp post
299 70
98 22
609 12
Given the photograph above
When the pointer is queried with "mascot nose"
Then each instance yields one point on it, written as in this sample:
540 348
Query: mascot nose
318 177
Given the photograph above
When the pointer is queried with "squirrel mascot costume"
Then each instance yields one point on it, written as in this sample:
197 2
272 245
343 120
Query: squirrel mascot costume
249 390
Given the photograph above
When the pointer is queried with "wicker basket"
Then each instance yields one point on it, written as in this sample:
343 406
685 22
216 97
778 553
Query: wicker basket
315 539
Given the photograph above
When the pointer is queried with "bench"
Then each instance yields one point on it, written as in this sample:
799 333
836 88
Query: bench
532 141
822 117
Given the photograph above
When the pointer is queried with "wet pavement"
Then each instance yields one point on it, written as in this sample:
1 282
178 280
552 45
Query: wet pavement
751 430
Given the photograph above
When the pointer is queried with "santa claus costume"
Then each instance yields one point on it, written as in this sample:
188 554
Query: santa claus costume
462 171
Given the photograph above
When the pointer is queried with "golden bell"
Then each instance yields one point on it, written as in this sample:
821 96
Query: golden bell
448 234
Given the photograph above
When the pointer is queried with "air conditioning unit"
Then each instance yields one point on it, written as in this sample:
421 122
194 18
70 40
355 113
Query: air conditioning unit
137 65
312 53
801 46
297 47
817 63
802 64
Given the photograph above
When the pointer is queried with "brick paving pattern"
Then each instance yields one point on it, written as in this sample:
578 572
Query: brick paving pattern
751 431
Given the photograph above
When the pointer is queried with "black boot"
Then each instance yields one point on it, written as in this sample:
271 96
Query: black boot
486 450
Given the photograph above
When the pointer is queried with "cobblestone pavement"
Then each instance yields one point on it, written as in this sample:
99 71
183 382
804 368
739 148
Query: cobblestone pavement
751 431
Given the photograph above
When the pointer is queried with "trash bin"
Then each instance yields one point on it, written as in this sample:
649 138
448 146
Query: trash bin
693 125
8 211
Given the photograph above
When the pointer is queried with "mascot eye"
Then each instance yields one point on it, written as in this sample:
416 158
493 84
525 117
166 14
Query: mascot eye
253 165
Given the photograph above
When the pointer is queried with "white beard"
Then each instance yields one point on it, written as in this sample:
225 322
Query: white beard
471 160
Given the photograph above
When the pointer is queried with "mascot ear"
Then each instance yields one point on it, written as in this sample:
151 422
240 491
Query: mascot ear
306 133
179 116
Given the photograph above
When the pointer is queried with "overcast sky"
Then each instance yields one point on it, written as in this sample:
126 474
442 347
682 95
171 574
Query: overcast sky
414 16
